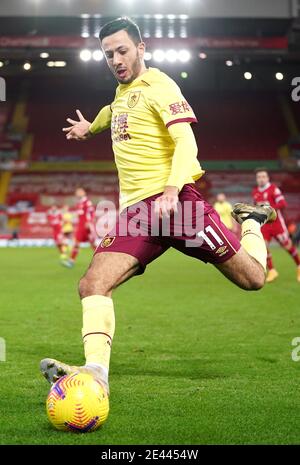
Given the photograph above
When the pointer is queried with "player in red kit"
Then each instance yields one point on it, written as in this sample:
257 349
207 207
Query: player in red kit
85 229
269 192
54 217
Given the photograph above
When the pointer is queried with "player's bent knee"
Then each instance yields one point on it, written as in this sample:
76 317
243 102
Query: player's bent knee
89 286
249 285
287 245
84 288
244 271
256 282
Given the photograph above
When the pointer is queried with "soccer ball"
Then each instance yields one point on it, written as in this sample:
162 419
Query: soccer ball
77 403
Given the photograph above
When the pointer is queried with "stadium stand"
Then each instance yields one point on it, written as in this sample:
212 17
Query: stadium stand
239 126
49 104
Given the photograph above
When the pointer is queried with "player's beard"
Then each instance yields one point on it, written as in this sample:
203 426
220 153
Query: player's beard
135 71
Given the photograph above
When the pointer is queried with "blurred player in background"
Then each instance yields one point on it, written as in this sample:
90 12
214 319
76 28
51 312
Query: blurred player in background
54 217
156 156
85 229
224 208
294 231
67 231
265 191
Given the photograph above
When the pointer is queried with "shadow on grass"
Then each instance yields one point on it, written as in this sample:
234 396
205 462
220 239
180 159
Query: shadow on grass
184 369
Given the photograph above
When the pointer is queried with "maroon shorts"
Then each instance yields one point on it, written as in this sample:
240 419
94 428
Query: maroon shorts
196 231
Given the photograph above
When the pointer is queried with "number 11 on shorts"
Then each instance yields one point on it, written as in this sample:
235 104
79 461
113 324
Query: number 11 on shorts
213 233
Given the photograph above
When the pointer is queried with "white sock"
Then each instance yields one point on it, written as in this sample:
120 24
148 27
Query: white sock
102 368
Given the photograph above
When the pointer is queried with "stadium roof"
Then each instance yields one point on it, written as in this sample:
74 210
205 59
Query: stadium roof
195 27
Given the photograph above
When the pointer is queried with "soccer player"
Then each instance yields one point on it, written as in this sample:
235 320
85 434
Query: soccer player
67 231
85 229
156 156
54 217
265 191
224 208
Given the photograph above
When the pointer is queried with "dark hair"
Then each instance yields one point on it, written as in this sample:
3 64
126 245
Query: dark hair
260 169
121 24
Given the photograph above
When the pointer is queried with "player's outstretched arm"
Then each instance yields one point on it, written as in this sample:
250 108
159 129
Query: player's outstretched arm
79 130
84 129
279 199
102 121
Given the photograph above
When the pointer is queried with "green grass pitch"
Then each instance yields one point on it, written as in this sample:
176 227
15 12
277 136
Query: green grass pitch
195 360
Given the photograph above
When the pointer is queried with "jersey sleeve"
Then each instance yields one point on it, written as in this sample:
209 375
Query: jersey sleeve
184 162
102 120
171 105
279 199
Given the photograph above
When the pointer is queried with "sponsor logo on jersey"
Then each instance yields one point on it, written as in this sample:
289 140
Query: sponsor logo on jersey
107 242
119 128
222 250
133 98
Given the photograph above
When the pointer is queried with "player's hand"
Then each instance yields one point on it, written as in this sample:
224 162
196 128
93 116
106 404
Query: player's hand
79 130
166 204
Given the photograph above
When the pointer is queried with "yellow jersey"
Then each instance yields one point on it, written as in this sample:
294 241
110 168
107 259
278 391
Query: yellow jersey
67 226
140 115
224 209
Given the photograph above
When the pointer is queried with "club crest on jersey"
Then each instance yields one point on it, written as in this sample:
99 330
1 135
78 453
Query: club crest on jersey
133 98
106 242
